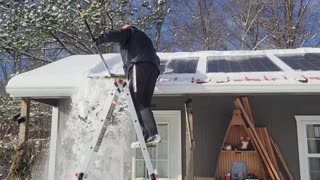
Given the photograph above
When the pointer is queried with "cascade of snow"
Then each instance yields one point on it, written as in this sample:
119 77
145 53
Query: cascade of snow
82 118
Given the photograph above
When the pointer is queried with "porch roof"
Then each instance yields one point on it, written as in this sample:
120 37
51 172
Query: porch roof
62 78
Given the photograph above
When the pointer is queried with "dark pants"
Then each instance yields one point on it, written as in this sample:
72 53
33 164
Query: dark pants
142 81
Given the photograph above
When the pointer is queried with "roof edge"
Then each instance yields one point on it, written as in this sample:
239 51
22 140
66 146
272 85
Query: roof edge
41 92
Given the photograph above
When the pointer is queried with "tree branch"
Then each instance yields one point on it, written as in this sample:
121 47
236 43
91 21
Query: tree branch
255 47
61 43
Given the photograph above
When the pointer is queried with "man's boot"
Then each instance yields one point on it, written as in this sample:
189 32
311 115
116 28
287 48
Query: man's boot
150 126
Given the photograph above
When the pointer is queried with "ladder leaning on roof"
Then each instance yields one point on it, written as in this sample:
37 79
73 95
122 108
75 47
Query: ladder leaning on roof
120 86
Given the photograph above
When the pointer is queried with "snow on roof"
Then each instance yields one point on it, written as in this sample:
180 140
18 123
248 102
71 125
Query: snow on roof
62 78
58 79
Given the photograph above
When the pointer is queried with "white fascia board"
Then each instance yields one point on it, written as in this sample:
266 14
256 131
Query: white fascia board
42 93
235 89
180 90
39 86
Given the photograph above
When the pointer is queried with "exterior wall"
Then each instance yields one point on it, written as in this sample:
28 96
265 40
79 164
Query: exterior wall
64 111
212 115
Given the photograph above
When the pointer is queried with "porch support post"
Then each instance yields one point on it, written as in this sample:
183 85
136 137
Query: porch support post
23 126
190 144
53 143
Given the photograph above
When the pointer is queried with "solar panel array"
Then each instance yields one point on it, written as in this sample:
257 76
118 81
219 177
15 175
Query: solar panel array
299 62
302 62
240 64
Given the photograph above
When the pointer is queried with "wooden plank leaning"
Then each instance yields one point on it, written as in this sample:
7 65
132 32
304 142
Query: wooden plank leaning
262 151
189 137
264 159
265 137
246 105
278 152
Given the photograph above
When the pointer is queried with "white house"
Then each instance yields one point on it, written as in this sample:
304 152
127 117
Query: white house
283 87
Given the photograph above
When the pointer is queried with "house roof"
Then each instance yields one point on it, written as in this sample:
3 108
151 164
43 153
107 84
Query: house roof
228 72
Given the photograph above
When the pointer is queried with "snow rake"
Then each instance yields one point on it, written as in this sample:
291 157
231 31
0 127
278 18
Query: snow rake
82 15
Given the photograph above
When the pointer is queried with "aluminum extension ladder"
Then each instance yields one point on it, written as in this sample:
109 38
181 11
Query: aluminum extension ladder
120 86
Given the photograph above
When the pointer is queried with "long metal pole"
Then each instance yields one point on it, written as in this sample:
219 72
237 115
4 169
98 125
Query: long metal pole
82 14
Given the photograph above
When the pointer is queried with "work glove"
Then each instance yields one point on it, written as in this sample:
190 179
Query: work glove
95 41
98 41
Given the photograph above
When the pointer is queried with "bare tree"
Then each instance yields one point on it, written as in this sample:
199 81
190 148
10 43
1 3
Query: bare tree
243 23
195 25
290 23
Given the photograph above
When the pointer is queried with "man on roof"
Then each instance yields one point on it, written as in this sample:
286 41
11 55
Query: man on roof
141 66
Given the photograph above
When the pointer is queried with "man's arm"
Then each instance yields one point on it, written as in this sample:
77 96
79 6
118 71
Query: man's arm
119 36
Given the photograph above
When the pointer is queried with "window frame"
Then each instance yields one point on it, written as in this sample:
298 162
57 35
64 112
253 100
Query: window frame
302 122
157 152
173 120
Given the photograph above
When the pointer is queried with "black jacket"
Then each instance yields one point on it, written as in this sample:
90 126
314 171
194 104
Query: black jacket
135 46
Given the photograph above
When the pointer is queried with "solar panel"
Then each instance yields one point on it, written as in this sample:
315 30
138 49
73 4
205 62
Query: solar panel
214 66
302 62
247 66
224 66
240 64
163 66
235 66
188 65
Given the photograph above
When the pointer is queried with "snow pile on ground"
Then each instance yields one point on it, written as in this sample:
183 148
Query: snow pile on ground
114 157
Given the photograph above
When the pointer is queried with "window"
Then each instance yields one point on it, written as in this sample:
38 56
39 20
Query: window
309 146
166 156
188 65
313 139
302 62
240 64
158 155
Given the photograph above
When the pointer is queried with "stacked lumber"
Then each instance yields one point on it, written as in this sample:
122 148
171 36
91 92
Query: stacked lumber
265 139
268 150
